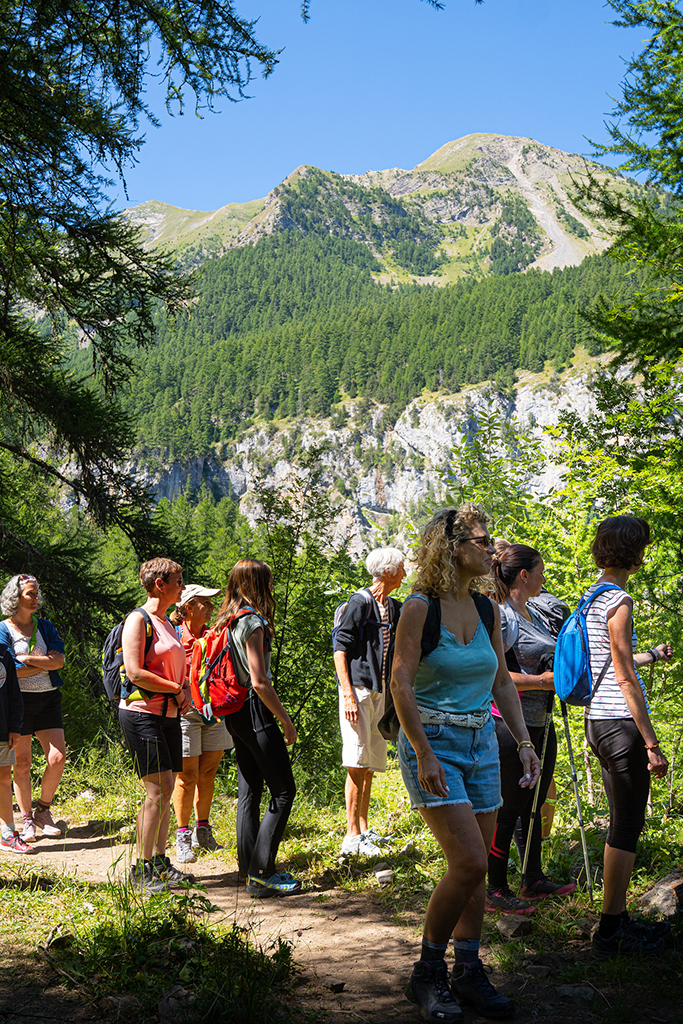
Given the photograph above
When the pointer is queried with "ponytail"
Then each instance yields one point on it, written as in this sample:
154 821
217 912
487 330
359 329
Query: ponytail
508 562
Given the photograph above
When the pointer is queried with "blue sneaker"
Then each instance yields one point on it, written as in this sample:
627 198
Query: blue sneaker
277 885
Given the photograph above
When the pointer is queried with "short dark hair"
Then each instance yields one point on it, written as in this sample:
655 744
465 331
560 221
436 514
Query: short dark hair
157 568
620 541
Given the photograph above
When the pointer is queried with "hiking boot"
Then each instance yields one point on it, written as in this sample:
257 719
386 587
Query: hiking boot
166 871
471 987
505 900
184 853
143 875
204 839
28 832
543 887
282 884
649 929
43 819
428 988
16 844
627 941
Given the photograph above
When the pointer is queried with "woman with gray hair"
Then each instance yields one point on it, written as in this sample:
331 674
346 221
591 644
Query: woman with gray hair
363 633
38 653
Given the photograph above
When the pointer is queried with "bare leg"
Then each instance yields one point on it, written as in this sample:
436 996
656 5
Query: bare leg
6 811
617 874
208 766
457 903
154 815
54 748
22 774
355 784
470 922
364 805
184 791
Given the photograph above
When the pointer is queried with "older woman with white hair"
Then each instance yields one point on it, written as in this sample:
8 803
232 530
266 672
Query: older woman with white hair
38 653
364 628
204 742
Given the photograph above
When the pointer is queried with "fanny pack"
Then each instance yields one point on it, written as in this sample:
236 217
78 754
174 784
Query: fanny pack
477 720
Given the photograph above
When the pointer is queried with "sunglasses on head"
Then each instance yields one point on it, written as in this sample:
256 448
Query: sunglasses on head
25 578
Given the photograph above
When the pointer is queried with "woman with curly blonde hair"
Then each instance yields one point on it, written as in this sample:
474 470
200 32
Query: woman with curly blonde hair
448 666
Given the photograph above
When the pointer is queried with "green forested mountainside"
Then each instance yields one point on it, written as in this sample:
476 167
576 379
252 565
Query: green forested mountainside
291 325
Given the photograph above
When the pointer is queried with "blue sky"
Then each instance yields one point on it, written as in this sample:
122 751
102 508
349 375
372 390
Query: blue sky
368 84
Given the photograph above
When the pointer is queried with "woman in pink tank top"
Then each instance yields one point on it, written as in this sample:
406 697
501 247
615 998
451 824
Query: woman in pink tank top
150 716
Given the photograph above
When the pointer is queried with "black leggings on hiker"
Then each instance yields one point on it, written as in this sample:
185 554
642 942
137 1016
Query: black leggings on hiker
517 803
619 747
262 759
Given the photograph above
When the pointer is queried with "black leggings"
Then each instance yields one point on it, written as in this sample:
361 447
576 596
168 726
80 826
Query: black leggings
517 803
620 749
261 755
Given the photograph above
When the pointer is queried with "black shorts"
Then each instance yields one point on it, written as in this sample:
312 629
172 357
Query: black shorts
42 711
155 742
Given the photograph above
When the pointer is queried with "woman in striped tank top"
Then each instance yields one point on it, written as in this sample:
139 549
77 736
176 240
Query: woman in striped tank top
619 729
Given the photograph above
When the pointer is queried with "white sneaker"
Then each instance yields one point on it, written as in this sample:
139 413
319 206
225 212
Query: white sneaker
376 837
350 846
183 847
28 832
367 847
354 846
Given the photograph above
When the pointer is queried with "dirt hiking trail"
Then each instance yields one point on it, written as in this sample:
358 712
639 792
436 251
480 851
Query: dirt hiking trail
341 940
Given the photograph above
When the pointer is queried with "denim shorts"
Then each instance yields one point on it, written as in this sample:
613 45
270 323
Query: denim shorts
471 763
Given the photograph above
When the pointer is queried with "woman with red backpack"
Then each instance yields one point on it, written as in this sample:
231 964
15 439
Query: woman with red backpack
260 748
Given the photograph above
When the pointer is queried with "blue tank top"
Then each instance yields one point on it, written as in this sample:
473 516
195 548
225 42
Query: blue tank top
457 677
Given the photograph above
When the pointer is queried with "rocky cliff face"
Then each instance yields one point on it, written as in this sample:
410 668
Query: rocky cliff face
374 469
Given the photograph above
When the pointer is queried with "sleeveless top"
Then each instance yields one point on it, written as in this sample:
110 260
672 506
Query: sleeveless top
456 677
167 659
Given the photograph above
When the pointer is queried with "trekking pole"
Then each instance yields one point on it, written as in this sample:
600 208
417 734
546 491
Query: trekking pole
587 866
534 806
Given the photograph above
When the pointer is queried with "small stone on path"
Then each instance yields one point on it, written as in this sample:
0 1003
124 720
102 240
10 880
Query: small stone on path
579 993
335 984
513 925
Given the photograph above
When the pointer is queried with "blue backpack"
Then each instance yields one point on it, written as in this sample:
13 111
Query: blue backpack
573 676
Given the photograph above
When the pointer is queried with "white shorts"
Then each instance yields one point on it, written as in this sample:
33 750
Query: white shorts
198 737
7 756
364 745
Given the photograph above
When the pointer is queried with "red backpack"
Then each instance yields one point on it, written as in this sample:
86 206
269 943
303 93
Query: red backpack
216 690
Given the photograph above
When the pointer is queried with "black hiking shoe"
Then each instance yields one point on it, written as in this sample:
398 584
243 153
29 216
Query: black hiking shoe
627 941
649 929
164 870
143 875
428 988
471 987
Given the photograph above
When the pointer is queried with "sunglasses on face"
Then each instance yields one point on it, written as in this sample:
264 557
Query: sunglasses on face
484 541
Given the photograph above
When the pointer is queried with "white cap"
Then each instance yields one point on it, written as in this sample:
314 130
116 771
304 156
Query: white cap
194 590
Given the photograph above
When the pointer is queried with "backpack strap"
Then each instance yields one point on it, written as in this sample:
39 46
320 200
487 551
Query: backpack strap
584 604
484 607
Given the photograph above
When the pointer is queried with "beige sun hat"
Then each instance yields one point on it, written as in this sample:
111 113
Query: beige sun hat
194 590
